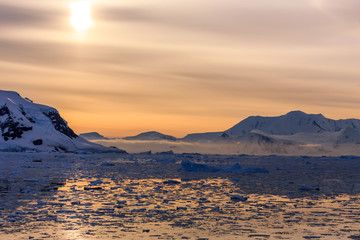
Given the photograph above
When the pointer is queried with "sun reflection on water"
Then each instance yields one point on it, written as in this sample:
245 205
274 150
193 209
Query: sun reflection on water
90 207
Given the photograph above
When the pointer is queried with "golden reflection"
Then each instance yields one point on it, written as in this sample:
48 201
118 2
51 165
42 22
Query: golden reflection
126 208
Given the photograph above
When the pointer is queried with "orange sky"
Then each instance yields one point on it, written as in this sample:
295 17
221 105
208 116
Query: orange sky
183 66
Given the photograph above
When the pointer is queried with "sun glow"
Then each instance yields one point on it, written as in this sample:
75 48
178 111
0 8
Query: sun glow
81 15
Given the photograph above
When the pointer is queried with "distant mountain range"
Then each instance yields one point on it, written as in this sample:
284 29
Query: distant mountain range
93 136
152 135
292 123
146 136
26 126
293 128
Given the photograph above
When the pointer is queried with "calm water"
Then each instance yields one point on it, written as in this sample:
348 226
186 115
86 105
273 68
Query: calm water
94 199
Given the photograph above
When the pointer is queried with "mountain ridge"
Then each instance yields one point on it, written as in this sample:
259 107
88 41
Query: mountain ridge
93 136
315 136
151 135
27 126
293 122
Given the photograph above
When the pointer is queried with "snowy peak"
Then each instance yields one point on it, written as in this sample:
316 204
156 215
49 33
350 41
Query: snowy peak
93 136
300 114
25 125
291 123
19 115
295 127
152 135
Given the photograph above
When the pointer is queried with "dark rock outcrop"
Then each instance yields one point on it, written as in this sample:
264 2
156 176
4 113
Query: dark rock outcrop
38 142
10 127
60 124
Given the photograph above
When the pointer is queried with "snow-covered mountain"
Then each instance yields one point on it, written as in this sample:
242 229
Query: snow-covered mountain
209 136
93 136
26 126
152 135
349 135
292 123
295 133
295 123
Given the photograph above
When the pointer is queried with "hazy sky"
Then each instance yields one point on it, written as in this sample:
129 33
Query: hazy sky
183 66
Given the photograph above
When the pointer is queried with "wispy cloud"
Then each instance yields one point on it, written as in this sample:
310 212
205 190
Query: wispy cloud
207 61
17 16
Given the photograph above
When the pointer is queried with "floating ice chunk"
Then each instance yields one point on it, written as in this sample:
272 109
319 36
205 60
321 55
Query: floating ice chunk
62 160
110 164
171 182
181 208
167 200
65 211
253 170
139 210
350 157
96 182
56 204
238 198
188 166
146 153
25 190
165 153
92 188
308 188
233 168
122 202
31 180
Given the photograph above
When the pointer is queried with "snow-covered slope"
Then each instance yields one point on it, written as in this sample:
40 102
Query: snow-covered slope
92 136
210 136
349 135
152 135
295 123
292 123
26 126
293 133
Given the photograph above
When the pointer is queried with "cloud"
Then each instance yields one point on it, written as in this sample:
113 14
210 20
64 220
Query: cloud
71 56
15 16
345 9
270 21
200 60
122 14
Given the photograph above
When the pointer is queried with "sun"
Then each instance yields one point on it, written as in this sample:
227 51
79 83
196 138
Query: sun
81 15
